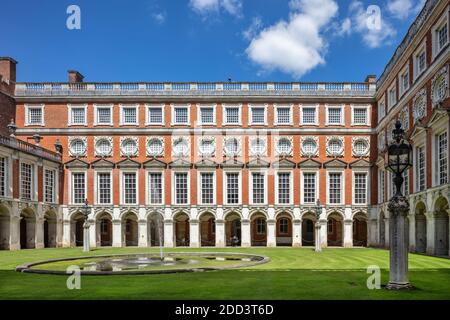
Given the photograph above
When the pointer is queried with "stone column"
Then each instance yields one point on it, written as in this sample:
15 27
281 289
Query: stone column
387 234
14 232
220 233
66 233
93 233
348 234
168 233
323 233
194 232
142 233
39 237
372 232
117 233
431 238
297 233
412 233
245 233
271 233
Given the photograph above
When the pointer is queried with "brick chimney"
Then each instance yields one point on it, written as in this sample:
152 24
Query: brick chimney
75 76
7 69
371 78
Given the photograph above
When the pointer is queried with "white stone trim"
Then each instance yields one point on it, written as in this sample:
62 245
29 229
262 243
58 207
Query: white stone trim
252 150
277 149
70 107
154 106
35 106
329 151
73 154
199 143
122 151
316 106
147 142
291 112
250 114
103 106
365 140
302 147
177 139
173 106
111 142
357 106
199 113
122 122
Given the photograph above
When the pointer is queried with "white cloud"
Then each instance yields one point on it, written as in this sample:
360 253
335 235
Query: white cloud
159 17
205 7
345 28
402 9
295 46
253 29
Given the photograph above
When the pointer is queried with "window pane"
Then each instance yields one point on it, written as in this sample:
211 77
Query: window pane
26 181
181 188
334 115
35 115
360 115
207 115
232 115
309 115
284 115
284 188
258 187
232 188
181 115
421 169
442 158
129 188
3 176
258 115
104 188
78 116
155 115
129 115
155 188
49 186
360 188
309 186
78 188
335 188
104 115
207 188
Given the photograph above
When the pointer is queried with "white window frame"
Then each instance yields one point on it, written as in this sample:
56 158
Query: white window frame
147 115
342 172
366 172
71 188
392 87
435 41
97 188
199 113
55 187
367 107
331 106
422 48
382 101
225 186
34 106
381 195
225 107
124 106
70 108
173 107
103 106
8 175
416 166
250 114
302 186
122 189
174 171
440 128
199 186
147 185
401 90
283 106
291 181
34 178
311 106
250 185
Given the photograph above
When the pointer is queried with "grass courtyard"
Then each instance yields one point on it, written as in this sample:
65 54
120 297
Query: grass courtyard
292 273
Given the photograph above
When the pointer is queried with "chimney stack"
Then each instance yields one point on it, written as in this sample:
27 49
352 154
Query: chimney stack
371 78
75 76
7 69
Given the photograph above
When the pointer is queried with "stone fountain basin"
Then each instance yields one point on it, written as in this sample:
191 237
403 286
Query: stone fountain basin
135 264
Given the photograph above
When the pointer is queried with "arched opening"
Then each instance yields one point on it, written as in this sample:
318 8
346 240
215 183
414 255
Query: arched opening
130 229
207 230
284 230
155 226
233 229
421 228
308 234
27 229
5 227
382 230
182 230
334 230
259 230
77 223
50 229
360 230
441 227
104 229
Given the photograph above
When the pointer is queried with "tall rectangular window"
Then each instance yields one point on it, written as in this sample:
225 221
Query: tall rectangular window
104 115
442 36
78 187
442 148
420 63
258 188
155 115
104 188
155 187
207 115
360 188
405 183
335 188
129 188
283 115
258 115
309 115
232 188
129 115
181 115
404 82
181 188
78 116
35 116
309 187
26 181
392 97
382 186
360 116
284 188
381 111
207 187
232 115
420 153
49 184
334 115
3 176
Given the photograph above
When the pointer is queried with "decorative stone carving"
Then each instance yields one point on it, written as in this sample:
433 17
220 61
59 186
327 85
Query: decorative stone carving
155 146
206 146
382 141
129 146
232 146
404 118
390 129
258 146
283 146
420 105
309 146
439 86
335 146
103 146
181 146
360 146
77 146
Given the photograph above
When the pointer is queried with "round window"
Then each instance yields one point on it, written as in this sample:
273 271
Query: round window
232 146
284 146
103 147
77 147
309 147
207 146
258 146
360 147
129 147
335 146
155 147
180 147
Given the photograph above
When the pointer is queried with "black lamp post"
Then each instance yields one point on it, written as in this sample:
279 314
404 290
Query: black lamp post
318 209
86 240
398 161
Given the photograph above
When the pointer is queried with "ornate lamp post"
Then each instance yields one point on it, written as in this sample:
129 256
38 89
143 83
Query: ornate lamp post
86 241
398 161
318 209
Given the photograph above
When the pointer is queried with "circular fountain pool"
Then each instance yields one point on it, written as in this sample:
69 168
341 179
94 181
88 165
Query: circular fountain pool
145 263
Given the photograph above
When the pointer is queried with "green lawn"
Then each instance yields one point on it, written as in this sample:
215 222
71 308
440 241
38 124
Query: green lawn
292 273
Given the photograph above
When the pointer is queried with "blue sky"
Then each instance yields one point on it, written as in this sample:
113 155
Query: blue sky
204 40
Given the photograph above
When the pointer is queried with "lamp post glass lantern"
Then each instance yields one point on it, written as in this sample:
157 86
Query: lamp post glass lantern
86 240
397 162
318 209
